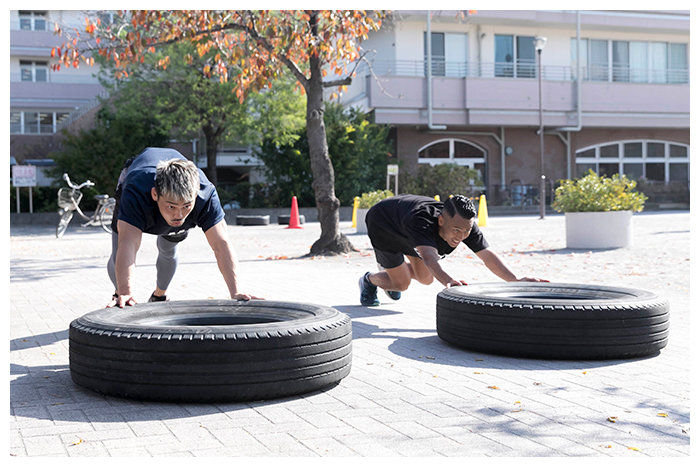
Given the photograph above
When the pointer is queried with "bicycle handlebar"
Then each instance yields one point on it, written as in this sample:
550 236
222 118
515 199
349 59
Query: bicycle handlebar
74 186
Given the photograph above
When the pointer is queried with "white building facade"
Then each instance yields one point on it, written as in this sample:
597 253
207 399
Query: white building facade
620 106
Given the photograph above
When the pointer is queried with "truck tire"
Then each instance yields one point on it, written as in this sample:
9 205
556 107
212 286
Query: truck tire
553 321
210 350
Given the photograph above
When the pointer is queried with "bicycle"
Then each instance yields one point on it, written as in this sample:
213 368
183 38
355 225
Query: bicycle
68 203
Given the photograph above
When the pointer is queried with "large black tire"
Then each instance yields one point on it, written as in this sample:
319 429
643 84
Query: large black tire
553 321
210 350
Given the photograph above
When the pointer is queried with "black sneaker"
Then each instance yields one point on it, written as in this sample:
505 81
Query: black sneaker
393 294
368 291
155 298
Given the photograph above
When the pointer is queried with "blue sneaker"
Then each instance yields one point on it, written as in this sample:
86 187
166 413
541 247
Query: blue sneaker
368 291
393 294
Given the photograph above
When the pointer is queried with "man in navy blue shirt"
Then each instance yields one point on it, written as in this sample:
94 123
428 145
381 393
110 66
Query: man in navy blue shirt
160 192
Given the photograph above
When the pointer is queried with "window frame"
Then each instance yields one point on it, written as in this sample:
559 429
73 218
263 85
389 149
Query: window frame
42 120
612 71
644 159
32 17
464 161
518 67
32 66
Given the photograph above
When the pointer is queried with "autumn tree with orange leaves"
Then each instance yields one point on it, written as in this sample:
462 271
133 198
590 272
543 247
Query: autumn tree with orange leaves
320 48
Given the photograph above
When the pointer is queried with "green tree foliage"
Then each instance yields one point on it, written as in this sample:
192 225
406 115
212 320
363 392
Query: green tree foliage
357 148
190 103
260 46
441 179
99 154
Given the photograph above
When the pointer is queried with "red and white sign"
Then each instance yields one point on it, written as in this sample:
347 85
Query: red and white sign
23 175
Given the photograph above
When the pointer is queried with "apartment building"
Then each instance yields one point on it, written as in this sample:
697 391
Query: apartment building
615 94
43 101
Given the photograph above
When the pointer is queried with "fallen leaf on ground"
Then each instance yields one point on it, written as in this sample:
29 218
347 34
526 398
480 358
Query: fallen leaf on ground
612 419
494 387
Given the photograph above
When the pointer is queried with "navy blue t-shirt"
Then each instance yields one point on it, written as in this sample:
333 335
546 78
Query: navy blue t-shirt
137 207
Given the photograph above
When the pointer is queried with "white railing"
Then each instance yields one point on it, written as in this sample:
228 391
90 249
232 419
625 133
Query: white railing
524 69
82 110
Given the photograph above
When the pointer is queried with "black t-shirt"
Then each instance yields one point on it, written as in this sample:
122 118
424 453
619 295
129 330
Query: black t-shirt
137 207
403 222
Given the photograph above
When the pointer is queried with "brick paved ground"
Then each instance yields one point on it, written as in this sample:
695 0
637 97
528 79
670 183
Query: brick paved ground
408 394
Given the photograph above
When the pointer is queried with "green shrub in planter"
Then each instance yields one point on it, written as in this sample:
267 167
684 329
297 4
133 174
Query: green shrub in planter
593 193
367 200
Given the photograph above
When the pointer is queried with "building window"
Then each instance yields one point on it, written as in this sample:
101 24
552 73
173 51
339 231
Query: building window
34 72
660 161
33 21
437 52
35 122
515 56
454 151
631 61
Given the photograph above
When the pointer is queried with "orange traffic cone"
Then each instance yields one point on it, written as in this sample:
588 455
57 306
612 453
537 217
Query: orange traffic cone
294 216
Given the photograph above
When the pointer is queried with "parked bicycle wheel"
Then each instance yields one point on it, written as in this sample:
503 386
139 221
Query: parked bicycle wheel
106 214
63 223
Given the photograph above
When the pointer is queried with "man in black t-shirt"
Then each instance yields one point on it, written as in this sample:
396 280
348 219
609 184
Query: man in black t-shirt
423 230
159 192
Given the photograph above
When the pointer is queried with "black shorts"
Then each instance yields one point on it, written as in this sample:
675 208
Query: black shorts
388 259
388 250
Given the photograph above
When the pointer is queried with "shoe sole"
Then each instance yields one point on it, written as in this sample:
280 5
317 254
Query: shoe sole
387 294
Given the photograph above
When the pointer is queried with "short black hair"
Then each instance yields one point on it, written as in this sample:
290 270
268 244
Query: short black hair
460 204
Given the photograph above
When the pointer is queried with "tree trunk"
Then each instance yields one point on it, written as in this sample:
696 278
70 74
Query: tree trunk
212 145
332 241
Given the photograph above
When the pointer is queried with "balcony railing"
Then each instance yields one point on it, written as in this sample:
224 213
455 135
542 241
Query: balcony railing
526 69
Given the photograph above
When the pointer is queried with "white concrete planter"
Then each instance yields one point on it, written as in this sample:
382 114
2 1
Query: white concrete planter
609 229
360 220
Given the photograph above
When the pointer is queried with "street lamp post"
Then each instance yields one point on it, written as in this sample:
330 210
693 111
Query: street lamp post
539 45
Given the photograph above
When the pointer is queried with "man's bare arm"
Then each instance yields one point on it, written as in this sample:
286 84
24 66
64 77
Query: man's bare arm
226 259
499 268
125 263
431 258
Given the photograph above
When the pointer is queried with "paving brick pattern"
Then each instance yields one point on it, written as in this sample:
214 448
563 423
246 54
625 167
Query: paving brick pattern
408 394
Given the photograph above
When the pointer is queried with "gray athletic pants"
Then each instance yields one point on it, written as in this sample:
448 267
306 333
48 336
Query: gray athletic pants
166 263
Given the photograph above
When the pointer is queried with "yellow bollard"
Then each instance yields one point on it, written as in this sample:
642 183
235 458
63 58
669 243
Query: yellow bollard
355 205
483 212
